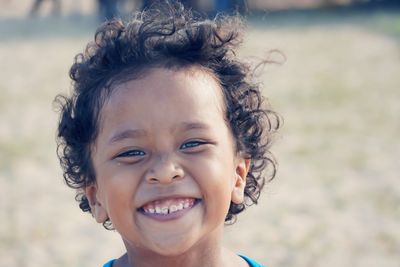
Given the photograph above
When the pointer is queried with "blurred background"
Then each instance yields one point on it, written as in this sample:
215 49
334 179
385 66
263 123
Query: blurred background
336 198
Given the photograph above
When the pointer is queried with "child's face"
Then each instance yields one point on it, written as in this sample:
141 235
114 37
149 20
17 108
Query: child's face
165 162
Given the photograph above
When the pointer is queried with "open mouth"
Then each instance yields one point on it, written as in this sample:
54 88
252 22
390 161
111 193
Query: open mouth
168 206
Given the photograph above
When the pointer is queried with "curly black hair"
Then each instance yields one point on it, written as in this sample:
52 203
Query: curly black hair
165 35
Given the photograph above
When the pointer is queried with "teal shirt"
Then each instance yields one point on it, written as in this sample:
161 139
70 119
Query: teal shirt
252 263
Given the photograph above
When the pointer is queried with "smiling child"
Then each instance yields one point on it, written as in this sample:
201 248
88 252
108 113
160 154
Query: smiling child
165 136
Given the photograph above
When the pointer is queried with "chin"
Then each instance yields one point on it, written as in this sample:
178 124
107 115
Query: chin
172 248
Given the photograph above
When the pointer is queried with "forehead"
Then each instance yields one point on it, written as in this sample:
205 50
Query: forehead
160 92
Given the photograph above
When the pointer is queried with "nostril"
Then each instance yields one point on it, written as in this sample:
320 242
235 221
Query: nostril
153 180
164 173
176 177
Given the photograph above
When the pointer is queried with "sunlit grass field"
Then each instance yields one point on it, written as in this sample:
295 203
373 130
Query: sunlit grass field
336 198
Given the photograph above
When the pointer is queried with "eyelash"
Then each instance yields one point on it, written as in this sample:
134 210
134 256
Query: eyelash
140 153
192 144
131 153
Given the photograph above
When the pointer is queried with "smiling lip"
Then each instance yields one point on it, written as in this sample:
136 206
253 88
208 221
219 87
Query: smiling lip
168 208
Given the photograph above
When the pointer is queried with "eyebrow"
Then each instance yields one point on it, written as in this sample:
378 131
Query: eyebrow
138 133
127 134
186 126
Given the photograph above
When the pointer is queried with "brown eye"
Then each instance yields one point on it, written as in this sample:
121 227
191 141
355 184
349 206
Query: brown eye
131 153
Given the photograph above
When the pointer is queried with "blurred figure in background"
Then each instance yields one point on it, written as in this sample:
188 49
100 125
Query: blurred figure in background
107 9
36 5
192 4
225 6
228 6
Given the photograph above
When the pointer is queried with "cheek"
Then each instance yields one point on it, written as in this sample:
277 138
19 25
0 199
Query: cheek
217 178
120 205
118 184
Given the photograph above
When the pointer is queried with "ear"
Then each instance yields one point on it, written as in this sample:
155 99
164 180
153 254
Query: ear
242 168
96 207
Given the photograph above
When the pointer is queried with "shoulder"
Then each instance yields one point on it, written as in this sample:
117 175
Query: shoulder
109 264
251 262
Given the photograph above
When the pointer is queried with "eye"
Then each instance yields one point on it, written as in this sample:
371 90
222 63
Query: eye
192 144
131 153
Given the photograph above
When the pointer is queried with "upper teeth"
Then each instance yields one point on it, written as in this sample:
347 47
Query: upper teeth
159 209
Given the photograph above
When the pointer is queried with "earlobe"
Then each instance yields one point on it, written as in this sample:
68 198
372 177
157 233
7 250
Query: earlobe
96 207
242 168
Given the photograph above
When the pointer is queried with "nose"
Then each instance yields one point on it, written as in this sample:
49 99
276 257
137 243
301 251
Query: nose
164 171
